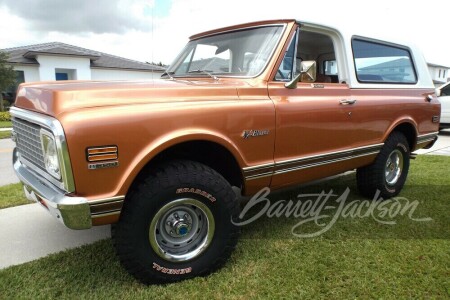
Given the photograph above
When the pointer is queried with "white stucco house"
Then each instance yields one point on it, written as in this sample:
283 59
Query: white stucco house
439 74
59 61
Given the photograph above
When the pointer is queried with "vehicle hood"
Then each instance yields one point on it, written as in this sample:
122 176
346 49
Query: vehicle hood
54 98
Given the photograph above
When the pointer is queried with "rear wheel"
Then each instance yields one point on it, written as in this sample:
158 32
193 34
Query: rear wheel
176 224
388 173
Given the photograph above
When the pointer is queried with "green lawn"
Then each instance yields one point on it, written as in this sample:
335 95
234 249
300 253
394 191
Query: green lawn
5 134
355 258
5 124
12 195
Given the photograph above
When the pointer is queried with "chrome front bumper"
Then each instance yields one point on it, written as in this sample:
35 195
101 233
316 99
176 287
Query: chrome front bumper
73 212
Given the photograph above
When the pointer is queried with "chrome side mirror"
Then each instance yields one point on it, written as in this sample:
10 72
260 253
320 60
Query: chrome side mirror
307 74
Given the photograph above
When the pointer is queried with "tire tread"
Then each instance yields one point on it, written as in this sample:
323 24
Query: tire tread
165 175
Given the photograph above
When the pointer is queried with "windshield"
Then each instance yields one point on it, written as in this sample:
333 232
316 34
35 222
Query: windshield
238 53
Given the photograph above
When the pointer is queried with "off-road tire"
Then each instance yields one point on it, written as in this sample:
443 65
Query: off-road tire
167 191
382 175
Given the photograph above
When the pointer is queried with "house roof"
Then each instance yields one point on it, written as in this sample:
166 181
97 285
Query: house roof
437 66
27 55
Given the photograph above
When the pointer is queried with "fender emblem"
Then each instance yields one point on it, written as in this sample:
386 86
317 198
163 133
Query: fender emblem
254 133
104 165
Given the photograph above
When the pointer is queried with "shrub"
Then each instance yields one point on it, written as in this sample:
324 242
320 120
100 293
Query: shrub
6 105
5 116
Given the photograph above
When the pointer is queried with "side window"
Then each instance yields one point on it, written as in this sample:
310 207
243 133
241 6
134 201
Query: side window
308 46
286 70
382 63
330 67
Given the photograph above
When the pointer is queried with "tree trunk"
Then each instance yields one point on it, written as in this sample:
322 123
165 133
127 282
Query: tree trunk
1 102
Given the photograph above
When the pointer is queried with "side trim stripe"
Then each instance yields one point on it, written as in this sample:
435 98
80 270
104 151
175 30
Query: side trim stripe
426 137
317 164
105 207
292 165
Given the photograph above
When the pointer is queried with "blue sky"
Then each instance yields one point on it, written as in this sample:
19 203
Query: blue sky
160 9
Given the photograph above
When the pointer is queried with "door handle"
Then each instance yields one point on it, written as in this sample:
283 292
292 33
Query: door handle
347 101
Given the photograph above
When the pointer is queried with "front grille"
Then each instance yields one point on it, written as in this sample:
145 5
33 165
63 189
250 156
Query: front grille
28 142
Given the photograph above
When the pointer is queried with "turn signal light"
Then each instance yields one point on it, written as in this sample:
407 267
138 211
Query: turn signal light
94 154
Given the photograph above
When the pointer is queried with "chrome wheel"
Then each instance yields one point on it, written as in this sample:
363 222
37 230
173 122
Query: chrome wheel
394 167
181 230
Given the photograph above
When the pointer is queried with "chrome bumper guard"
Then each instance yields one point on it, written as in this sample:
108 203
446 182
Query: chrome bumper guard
73 212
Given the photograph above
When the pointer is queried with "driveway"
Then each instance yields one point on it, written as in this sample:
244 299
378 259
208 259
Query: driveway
28 232
441 147
7 174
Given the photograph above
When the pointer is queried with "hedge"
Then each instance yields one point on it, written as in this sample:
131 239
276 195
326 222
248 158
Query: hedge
5 116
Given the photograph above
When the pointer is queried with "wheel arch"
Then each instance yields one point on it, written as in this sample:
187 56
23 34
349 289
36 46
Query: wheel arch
209 153
408 128
214 151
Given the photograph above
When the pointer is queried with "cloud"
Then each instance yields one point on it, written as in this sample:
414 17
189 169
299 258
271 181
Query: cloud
97 16
156 30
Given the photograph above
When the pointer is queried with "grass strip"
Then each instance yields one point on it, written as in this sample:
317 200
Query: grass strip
12 195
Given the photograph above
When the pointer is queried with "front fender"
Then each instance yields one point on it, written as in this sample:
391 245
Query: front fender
170 140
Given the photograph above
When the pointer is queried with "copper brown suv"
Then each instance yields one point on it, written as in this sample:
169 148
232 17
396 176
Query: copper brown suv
266 104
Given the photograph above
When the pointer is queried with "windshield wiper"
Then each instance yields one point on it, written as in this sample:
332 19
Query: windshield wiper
207 72
168 74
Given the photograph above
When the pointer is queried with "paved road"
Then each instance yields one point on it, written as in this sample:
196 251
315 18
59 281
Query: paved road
7 174
28 232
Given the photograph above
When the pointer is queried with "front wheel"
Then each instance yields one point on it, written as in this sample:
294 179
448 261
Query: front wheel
387 174
176 224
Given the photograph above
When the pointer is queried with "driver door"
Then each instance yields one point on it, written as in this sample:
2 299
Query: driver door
314 125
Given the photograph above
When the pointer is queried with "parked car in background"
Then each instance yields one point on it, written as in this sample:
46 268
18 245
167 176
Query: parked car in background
444 98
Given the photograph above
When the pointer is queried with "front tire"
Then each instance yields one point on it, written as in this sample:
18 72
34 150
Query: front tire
176 224
387 174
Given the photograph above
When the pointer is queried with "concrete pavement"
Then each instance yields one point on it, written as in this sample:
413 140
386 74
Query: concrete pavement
28 232
7 174
442 145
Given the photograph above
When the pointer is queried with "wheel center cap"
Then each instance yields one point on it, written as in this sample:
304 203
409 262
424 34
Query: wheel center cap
182 229
391 167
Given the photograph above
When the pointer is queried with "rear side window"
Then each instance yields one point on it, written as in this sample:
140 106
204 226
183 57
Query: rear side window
330 67
382 63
